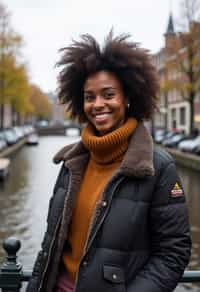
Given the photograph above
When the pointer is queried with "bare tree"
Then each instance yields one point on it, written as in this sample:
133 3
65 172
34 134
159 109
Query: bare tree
10 43
190 12
185 55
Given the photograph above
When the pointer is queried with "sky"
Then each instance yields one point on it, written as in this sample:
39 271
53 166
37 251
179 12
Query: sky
48 25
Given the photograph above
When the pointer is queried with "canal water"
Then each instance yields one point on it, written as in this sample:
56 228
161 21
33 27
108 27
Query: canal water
25 194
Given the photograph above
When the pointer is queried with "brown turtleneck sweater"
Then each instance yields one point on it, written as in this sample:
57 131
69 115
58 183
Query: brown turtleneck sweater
106 153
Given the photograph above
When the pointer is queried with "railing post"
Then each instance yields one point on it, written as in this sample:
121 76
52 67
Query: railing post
10 272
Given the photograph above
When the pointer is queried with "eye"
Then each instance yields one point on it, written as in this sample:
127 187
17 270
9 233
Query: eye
108 94
89 97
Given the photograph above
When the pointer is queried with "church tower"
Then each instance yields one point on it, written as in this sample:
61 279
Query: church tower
170 35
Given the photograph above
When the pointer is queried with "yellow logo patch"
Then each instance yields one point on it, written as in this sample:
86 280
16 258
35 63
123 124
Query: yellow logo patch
177 191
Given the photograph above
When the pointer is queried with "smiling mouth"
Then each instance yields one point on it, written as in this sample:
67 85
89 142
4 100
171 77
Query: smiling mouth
101 116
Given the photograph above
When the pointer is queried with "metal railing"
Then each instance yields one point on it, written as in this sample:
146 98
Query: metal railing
12 274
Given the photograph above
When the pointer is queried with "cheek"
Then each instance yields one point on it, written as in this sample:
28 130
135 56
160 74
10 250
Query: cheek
86 109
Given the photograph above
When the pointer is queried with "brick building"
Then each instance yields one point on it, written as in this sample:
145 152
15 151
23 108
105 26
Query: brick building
57 111
174 110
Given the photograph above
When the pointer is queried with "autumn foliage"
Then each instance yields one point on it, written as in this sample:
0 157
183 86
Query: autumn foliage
39 102
182 71
15 88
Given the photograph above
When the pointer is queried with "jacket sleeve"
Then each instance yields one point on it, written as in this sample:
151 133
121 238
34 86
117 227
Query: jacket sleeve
170 236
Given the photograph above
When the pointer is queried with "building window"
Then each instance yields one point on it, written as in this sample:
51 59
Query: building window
173 115
182 116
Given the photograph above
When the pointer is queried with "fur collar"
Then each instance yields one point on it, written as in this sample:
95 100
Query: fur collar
137 162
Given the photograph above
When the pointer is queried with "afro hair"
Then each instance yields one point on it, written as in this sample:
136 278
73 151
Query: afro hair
131 64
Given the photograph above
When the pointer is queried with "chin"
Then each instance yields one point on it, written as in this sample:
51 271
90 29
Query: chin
103 131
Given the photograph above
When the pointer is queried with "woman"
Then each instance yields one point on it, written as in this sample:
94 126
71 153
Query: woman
117 220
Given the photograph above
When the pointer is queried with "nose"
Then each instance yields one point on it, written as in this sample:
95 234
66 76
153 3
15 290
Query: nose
98 102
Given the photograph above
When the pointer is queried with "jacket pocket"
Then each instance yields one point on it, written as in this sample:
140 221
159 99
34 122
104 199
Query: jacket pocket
115 276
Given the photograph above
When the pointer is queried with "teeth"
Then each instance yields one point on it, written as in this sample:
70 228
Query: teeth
101 116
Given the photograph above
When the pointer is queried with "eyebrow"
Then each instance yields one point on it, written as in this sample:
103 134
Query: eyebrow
103 89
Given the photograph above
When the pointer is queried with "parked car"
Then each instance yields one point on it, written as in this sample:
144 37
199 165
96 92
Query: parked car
4 167
28 129
196 150
159 136
189 145
9 136
3 144
169 135
19 132
174 140
42 124
32 139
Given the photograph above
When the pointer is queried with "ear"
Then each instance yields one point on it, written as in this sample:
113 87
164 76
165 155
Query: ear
127 100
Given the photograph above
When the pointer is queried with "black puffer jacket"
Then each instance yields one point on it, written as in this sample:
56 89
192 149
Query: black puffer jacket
139 237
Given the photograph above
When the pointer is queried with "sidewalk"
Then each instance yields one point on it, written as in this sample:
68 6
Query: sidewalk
8 151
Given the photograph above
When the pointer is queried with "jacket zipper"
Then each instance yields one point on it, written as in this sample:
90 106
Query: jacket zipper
107 209
86 247
86 242
51 246
50 249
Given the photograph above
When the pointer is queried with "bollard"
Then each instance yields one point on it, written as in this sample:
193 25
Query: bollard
10 272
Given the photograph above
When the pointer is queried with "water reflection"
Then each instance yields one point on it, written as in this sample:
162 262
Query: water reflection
25 194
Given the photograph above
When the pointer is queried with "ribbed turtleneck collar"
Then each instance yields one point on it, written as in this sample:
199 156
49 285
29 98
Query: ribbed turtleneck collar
110 147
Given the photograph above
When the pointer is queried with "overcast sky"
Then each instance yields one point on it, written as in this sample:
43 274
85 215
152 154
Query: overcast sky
47 25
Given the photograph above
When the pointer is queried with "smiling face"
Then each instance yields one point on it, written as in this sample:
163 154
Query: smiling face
104 102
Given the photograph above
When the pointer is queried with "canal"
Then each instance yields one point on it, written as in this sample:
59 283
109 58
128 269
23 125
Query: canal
25 194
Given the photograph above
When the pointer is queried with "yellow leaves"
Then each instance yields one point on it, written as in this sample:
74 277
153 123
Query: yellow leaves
7 71
165 86
14 81
39 102
188 88
14 84
182 68
21 90
168 84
